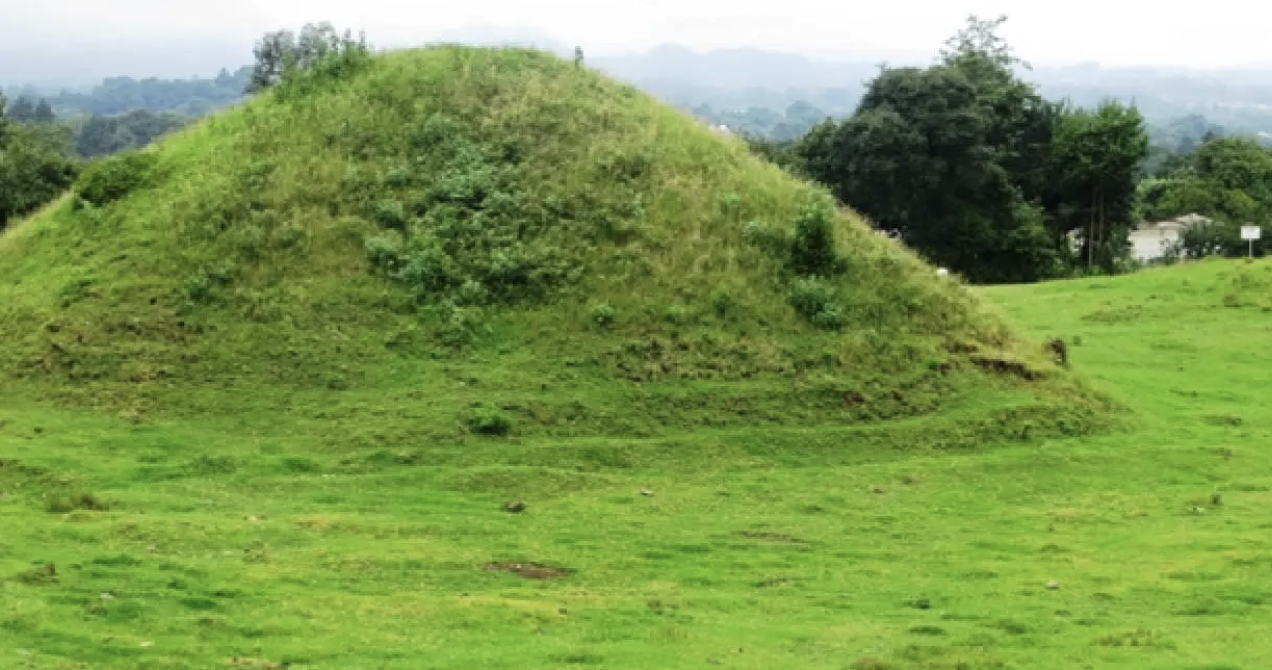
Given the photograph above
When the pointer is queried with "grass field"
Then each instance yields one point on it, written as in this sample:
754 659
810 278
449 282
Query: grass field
270 386
234 540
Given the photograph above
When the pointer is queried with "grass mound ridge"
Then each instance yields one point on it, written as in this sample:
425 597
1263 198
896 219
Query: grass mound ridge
488 241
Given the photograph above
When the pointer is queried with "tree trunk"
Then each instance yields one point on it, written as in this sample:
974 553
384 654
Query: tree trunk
1091 233
1103 228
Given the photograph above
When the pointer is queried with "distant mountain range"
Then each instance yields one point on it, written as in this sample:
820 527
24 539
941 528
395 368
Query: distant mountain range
1239 99
740 77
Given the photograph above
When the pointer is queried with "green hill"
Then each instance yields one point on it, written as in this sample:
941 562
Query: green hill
494 241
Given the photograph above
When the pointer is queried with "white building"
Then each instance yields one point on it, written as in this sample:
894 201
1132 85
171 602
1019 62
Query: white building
1150 240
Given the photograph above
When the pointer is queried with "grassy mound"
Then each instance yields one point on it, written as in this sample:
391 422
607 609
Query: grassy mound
493 242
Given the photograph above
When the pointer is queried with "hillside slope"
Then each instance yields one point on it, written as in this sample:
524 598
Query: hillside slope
493 241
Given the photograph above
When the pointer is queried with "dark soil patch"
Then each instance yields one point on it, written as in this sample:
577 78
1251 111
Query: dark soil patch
40 576
529 570
853 399
1006 366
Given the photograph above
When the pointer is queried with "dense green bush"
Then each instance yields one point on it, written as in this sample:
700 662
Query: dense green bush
813 249
772 241
474 236
110 179
814 299
35 167
603 314
491 421
808 258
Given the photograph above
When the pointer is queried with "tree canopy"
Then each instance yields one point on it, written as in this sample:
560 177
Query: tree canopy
961 159
35 165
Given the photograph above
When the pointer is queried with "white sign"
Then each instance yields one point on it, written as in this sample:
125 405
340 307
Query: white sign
1251 232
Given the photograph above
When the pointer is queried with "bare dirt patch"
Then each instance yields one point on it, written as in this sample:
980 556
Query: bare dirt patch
1004 365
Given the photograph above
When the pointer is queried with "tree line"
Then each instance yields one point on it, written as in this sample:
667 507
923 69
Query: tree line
36 163
972 167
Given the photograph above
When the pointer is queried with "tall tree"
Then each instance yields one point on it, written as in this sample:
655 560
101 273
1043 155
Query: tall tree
101 136
1097 154
952 157
44 112
273 52
21 110
35 166
1227 178
280 53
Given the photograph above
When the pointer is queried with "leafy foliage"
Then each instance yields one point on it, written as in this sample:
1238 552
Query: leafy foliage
113 178
24 110
1097 154
472 237
813 250
318 51
105 135
491 421
35 166
1218 238
1227 178
959 159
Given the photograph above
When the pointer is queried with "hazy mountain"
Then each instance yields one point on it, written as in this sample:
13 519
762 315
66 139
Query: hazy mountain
77 66
723 80
733 79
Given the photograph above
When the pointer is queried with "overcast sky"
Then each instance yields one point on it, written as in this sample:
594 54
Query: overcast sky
1114 32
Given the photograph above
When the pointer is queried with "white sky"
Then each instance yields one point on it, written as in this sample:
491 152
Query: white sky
1113 32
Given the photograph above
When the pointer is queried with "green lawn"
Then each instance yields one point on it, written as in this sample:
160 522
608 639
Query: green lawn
778 548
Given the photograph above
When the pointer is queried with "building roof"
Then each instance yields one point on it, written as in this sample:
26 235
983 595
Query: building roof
1192 219
1179 222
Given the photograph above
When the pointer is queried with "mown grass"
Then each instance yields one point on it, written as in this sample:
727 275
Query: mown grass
837 548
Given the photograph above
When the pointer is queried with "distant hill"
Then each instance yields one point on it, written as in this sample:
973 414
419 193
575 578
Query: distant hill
1240 99
728 80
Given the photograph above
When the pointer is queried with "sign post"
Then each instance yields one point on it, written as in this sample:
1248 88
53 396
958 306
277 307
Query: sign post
1250 234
